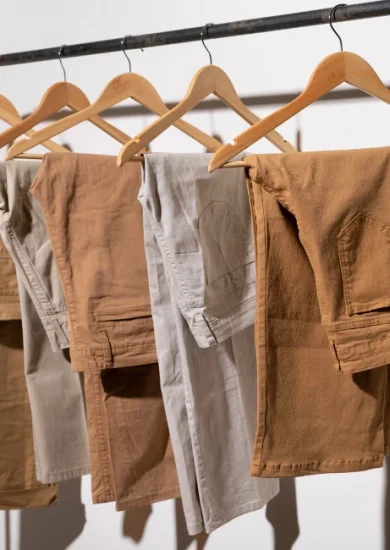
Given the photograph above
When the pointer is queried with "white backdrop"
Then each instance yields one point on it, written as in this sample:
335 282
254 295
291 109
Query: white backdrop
338 512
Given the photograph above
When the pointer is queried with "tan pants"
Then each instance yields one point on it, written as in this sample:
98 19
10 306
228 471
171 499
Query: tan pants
311 419
95 226
19 487
340 200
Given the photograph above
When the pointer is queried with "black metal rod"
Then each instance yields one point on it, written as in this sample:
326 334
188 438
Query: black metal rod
235 28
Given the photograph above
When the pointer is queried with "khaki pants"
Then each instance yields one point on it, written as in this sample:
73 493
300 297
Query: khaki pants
340 200
56 398
311 419
95 226
201 266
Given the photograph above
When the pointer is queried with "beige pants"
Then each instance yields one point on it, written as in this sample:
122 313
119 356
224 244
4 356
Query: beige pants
56 398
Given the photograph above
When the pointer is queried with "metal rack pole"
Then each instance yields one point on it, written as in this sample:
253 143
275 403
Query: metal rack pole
235 28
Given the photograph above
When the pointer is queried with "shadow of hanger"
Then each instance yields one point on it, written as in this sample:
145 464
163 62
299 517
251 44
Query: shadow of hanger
134 523
282 513
386 506
183 539
57 527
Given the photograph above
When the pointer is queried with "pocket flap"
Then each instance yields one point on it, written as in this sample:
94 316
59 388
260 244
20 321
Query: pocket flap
126 336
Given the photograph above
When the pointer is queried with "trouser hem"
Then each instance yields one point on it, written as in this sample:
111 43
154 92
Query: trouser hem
274 470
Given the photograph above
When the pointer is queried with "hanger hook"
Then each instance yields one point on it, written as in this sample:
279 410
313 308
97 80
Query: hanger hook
123 44
204 31
332 18
60 51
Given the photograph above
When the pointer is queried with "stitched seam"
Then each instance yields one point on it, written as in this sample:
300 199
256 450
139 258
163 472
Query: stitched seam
43 300
346 270
266 335
364 344
339 327
240 234
102 431
159 235
66 284
279 466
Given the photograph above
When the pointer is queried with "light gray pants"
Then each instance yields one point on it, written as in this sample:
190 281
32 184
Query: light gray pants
209 393
55 392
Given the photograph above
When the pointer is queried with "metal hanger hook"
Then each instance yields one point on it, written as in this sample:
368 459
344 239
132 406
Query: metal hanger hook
123 43
204 31
59 57
332 18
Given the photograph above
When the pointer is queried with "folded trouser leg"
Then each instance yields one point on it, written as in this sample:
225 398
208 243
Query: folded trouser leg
56 404
60 434
340 202
99 448
311 419
95 226
138 436
173 385
210 401
40 497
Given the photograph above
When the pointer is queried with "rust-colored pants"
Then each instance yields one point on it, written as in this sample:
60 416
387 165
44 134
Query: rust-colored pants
95 226
19 487
311 418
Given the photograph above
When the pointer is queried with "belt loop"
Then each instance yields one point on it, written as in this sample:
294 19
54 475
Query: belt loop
61 337
107 350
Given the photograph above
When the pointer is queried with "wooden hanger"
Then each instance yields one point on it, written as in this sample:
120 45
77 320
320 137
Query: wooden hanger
128 85
10 115
335 69
59 95
208 80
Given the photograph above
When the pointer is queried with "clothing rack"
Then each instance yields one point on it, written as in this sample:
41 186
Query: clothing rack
222 30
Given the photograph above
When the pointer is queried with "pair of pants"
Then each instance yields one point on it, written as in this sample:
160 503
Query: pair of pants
310 418
56 398
340 201
19 488
95 226
201 276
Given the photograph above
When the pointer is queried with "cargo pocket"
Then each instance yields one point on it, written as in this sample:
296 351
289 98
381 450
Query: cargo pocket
126 337
364 253
228 252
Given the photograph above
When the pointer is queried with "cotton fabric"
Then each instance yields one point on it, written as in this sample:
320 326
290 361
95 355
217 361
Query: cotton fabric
95 226
311 419
209 392
57 405
340 201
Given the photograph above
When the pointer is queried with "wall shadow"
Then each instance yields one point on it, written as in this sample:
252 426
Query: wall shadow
386 506
282 513
134 523
183 539
57 527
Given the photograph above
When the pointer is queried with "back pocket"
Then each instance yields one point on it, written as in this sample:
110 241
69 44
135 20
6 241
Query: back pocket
226 245
364 252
